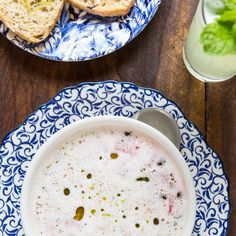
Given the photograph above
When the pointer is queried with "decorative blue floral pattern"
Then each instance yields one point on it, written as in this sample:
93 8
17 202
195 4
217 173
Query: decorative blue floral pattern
80 36
119 99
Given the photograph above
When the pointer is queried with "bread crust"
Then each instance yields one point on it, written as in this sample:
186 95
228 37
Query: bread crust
33 39
101 11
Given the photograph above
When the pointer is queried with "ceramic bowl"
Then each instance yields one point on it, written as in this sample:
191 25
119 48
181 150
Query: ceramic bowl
113 122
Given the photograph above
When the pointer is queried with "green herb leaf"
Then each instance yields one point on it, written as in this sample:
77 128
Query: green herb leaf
234 30
227 17
230 5
218 39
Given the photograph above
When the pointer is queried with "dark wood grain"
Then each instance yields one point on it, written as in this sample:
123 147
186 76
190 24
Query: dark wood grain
153 59
221 132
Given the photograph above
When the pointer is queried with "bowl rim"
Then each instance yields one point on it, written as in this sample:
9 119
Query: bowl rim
66 131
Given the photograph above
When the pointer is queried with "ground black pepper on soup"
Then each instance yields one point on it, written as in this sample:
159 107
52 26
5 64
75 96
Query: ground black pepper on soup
109 182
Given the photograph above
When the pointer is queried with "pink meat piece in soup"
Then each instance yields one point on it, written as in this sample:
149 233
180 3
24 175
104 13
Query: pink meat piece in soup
130 147
170 206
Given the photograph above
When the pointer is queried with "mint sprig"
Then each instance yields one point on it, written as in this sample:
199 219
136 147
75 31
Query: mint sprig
230 5
219 38
227 17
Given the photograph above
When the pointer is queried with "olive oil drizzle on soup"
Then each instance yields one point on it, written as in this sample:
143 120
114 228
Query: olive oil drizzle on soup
109 182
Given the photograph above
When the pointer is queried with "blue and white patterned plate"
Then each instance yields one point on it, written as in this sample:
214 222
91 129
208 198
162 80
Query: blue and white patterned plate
79 36
119 99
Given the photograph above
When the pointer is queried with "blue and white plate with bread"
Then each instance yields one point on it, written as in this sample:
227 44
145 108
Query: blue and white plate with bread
62 31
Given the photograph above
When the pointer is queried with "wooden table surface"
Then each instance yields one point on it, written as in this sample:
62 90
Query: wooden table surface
153 59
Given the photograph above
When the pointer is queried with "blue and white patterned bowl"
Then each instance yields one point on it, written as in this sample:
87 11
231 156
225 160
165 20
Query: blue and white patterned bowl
119 99
79 36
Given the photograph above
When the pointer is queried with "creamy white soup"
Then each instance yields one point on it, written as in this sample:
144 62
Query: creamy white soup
109 182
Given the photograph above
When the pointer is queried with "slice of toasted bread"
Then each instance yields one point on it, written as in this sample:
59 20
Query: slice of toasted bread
104 7
32 20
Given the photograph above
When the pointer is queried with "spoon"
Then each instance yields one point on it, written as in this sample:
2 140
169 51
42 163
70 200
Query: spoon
161 121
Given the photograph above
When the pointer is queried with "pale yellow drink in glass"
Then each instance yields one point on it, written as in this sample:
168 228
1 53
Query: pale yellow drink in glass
205 67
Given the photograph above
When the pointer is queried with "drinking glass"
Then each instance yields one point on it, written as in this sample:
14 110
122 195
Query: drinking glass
203 66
